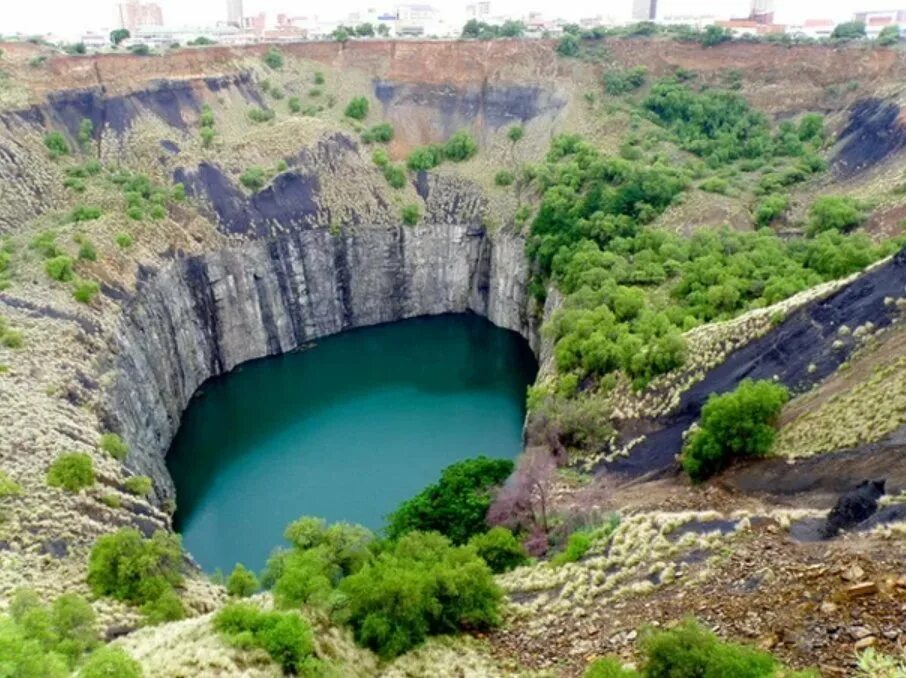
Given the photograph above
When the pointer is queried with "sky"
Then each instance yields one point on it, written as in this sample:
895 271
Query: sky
73 17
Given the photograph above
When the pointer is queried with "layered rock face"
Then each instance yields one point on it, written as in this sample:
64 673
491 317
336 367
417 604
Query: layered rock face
201 316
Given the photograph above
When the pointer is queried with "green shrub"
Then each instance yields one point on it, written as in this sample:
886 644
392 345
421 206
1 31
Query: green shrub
380 157
277 93
124 241
135 213
46 244
72 472
85 291
568 46
86 132
770 207
87 251
274 58
315 92
889 36
610 667
849 30
395 176
319 78
59 268
504 178
500 549
285 636
9 337
737 424
179 192
206 119
424 158
75 184
715 185
85 213
835 213
114 501
261 114
380 133
140 50
56 143
624 81
715 35
576 547
126 566
253 179
242 582
515 133
111 662
138 485
295 104
164 608
357 108
207 136
8 486
456 505
411 214
461 146
419 586
157 212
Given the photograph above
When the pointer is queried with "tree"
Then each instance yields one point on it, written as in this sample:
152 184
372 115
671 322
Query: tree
111 661
340 35
849 30
411 214
140 50
511 29
424 158
383 30
117 36
737 424
515 133
500 549
56 143
715 35
254 178
285 636
357 108
461 146
889 35
456 505
242 582
364 30
72 472
523 501
273 58
835 213
568 46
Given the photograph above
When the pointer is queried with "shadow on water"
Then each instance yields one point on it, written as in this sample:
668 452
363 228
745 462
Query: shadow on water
346 429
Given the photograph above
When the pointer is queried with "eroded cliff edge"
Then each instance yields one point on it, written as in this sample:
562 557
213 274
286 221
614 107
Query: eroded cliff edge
201 316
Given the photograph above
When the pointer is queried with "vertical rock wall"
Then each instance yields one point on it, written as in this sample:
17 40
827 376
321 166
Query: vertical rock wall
201 316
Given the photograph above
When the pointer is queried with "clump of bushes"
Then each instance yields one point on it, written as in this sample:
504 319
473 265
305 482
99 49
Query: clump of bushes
504 178
456 505
770 207
499 548
407 593
357 108
123 241
242 582
84 291
380 133
295 105
72 472
261 114
395 176
835 213
140 486
411 214
111 661
624 81
285 636
56 144
85 213
253 178
8 486
515 133
689 649
569 46
424 158
274 59
128 567
733 425
459 147
59 268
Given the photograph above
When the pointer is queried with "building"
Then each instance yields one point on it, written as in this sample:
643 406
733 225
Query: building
816 29
234 13
165 36
415 21
762 12
877 21
134 14
644 10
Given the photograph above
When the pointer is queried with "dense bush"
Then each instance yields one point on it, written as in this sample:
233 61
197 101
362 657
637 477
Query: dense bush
253 178
8 486
835 213
515 133
623 81
504 178
419 586
770 207
569 46
411 214
261 114
72 472
380 133
56 143
461 146
274 58
357 108
849 30
242 582
689 651
737 424
84 291
500 549
111 662
456 505
424 158
138 485
295 104
59 268
889 36
87 251
395 176
285 636
128 567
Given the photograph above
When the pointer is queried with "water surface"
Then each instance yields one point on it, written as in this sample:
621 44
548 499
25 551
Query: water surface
344 430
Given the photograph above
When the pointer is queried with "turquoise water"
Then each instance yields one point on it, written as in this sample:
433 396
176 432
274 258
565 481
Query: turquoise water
345 430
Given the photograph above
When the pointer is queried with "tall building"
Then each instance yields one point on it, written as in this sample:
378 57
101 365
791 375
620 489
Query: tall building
644 10
762 11
134 14
234 12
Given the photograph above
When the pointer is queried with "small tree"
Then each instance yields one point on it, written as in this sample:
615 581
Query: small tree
835 213
889 35
111 661
357 108
364 30
515 133
500 549
568 46
117 36
523 501
274 58
461 146
411 214
72 472
849 30
737 424
242 582
56 143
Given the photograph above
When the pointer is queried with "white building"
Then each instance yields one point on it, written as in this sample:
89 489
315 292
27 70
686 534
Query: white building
416 21
877 21
164 36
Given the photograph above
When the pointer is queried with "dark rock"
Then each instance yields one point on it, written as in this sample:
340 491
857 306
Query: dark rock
58 548
854 507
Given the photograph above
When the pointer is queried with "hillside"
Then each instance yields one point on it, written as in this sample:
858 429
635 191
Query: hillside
665 222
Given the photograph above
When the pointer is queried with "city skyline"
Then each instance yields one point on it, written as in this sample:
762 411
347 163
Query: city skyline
48 16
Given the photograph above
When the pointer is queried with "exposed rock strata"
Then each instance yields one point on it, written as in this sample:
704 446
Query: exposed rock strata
201 316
